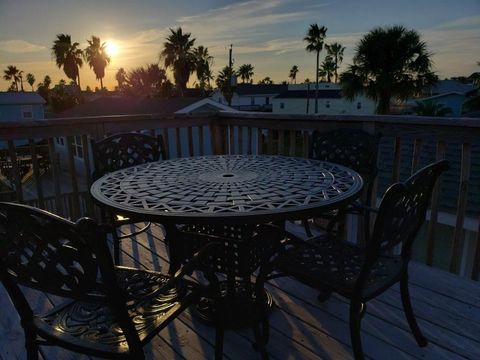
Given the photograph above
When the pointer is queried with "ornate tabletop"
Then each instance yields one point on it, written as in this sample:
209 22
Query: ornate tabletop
239 188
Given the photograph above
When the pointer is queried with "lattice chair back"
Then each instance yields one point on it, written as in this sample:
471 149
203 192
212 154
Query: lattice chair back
403 209
122 150
352 148
46 252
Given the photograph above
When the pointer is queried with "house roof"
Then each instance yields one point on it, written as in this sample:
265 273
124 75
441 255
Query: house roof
260 89
20 98
129 106
303 94
449 86
439 96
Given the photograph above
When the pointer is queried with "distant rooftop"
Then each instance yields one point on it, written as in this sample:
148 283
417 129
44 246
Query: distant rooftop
20 98
450 86
303 94
260 89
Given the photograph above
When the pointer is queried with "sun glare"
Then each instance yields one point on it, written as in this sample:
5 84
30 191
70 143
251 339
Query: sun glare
112 48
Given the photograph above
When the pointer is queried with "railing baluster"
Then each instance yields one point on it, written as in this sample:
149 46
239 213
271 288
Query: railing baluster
397 152
15 171
240 140
457 247
281 142
36 172
88 173
293 140
74 214
476 258
259 141
249 141
270 141
56 176
417 146
178 143
432 224
190 141
166 143
231 142
200 141
305 144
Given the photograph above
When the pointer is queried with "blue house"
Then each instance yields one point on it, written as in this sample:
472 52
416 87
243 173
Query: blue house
21 106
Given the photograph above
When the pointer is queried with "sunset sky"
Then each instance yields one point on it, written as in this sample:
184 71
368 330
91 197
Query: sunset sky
265 33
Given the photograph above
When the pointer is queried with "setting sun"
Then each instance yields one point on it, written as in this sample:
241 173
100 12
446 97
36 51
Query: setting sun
112 48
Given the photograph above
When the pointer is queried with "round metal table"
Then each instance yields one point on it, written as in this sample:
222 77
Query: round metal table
233 189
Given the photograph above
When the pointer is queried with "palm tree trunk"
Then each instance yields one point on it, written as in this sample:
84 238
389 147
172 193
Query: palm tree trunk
101 84
78 80
316 85
336 67
21 84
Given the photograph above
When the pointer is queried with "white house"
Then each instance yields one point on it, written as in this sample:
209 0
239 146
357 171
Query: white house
16 106
251 97
300 99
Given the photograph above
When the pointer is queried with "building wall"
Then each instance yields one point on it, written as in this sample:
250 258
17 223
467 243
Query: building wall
360 106
20 112
452 101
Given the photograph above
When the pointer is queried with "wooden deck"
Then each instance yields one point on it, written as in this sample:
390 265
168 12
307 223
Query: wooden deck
447 309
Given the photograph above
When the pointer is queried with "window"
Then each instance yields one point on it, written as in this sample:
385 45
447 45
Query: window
267 100
252 100
282 105
359 105
327 104
77 147
60 141
27 112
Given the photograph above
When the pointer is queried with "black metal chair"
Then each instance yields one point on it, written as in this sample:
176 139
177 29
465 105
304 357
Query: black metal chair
362 273
111 311
355 149
120 151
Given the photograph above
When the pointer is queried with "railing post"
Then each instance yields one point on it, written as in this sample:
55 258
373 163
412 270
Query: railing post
218 141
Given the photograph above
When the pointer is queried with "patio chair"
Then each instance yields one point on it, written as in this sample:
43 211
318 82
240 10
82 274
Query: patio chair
362 273
111 311
355 149
118 152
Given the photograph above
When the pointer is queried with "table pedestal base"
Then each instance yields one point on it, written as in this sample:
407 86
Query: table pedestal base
238 310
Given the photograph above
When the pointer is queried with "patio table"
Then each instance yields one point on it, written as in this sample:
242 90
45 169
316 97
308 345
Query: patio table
240 190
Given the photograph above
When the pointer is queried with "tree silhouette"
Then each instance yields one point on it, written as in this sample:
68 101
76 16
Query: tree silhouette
224 83
203 62
30 79
69 56
390 63
178 54
327 69
293 73
97 58
315 38
245 72
335 50
11 73
266 81
121 77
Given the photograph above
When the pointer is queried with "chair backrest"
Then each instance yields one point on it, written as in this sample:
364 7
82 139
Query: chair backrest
353 148
402 211
126 149
43 251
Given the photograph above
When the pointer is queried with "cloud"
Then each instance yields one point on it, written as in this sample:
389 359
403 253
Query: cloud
19 46
469 22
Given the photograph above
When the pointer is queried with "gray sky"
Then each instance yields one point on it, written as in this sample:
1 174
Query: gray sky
265 33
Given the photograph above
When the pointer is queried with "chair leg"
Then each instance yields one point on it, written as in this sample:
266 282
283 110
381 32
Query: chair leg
407 308
31 346
356 315
116 246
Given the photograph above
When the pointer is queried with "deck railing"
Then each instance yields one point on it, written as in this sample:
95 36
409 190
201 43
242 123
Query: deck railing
60 183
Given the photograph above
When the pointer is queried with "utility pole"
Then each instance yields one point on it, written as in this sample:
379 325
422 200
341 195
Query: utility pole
230 66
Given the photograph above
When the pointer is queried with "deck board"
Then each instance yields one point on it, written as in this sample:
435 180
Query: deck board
447 309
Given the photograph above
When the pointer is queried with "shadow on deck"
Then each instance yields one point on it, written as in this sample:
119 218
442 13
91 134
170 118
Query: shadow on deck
447 308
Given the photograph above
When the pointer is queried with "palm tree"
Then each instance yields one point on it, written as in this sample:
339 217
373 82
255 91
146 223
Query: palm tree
20 76
68 56
336 50
178 54
266 81
293 73
224 83
203 62
47 81
390 63
97 58
431 108
327 69
245 72
315 37
30 79
11 73
121 77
